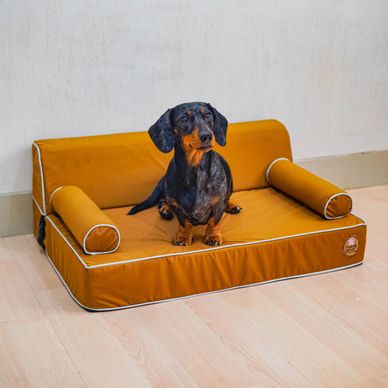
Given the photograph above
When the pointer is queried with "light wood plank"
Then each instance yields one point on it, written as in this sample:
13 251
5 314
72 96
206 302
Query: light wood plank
282 339
379 383
28 255
17 301
94 350
368 360
326 330
31 355
159 364
200 351
4 251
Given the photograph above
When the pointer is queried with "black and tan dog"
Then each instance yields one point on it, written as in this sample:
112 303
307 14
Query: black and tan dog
198 181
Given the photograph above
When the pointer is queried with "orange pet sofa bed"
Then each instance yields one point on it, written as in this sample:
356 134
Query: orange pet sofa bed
293 223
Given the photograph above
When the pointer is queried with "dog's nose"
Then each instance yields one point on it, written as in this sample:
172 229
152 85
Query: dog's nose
206 137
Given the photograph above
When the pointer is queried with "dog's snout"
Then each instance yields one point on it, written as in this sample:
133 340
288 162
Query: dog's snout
205 137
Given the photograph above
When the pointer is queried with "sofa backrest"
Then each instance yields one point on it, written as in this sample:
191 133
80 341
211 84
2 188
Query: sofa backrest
122 169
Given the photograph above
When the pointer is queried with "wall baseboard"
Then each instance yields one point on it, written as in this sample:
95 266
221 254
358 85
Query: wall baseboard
352 170
15 214
347 171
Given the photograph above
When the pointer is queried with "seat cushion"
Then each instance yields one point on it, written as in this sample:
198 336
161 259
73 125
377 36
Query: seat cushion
266 214
273 237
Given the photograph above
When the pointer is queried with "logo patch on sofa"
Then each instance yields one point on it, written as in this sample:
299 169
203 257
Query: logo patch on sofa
351 246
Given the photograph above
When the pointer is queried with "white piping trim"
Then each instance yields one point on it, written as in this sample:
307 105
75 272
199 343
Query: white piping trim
67 242
270 166
225 246
41 179
328 202
199 294
51 196
199 250
105 252
71 246
37 204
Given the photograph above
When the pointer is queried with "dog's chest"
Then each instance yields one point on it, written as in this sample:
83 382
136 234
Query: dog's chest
205 195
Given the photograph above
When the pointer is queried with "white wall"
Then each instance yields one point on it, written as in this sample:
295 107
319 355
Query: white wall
78 67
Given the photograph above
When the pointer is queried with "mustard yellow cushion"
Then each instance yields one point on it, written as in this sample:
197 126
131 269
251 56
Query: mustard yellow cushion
275 237
318 194
93 229
130 165
272 238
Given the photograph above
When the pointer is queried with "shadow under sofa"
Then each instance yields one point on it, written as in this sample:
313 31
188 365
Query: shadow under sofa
277 235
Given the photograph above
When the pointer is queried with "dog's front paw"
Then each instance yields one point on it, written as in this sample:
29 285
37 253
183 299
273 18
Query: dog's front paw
182 240
213 240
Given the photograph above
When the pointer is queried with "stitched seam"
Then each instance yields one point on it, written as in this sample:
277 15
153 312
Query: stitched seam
105 252
199 250
41 179
193 295
328 202
36 203
271 165
225 246
51 196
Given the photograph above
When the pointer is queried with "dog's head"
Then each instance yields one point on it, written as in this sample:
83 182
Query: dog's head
195 126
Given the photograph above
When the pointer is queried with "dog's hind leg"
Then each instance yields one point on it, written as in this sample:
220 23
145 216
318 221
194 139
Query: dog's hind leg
165 210
232 208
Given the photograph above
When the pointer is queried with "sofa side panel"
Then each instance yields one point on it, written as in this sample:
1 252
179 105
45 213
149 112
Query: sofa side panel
71 270
36 214
37 179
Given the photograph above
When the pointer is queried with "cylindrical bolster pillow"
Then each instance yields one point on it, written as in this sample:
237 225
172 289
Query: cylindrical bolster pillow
325 198
93 229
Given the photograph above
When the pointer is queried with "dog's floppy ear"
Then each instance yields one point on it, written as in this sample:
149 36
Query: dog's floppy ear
220 126
162 132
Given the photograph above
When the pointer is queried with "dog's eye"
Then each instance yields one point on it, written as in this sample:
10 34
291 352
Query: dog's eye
208 116
184 119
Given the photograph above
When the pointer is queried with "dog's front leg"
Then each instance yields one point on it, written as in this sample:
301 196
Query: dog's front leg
213 233
184 235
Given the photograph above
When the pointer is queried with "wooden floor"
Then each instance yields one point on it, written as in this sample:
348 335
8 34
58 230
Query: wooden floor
321 331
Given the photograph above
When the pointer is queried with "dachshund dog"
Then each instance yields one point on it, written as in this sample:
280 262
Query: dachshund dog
198 183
